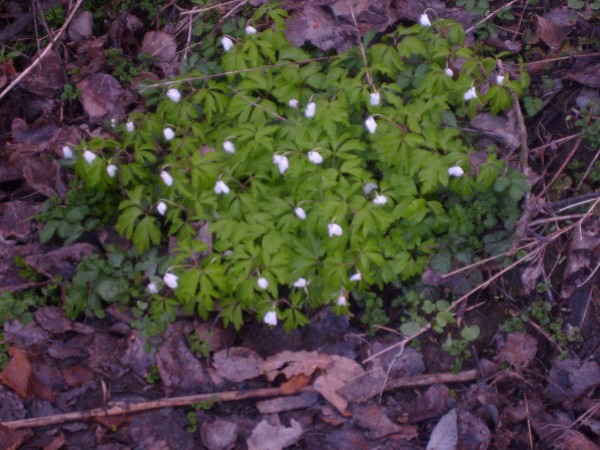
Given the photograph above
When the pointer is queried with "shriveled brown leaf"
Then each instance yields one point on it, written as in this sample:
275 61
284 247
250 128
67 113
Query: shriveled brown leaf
551 32
434 403
81 27
24 335
219 435
102 97
16 375
569 380
238 364
295 363
77 375
473 433
529 277
445 434
40 175
281 404
15 219
11 439
518 350
61 261
11 406
342 371
372 418
295 383
47 78
397 364
135 356
363 388
39 132
178 367
574 440
163 49
503 130
274 437
588 76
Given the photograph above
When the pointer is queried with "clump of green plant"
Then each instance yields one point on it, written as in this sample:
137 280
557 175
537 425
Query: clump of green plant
319 180
540 312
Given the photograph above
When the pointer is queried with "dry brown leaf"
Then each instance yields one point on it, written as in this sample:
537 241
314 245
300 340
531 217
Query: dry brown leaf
518 350
281 404
238 364
11 439
76 375
102 97
270 437
40 175
571 379
162 48
61 261
588 76
294 384
502 130
342 371
295 363
219 435
81 27
372 418
551 32
47 78
16 375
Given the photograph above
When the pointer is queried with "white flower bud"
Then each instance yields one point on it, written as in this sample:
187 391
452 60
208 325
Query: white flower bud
499 79
293 103
380 199
300 283
130 127
342 300
456 171
250 29
167 179
67 152
89 156
371 124
424 20
334 230
229 147
227 43
174 95
448 71
262 283
356 277
470 94
300 213
270 318
311 108
315 157
221 187
168 133
162 208
374 98
368 187
152 288
171 280
111 170
282 162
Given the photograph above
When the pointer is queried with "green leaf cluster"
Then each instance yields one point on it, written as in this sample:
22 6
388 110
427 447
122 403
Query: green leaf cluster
389 192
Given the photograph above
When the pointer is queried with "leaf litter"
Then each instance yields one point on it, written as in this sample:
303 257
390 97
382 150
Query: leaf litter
292 389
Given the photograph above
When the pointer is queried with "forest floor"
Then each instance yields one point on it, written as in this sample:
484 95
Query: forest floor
100 383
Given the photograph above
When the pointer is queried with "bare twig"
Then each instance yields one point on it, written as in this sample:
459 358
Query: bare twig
44 53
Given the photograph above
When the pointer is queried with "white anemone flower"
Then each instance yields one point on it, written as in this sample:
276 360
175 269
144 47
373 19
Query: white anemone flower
130 127
229 147
300 283
334 229
374 98
282 162
380 199
424 20
368 187
293 103
315 157
470 94
300 213
370 124
167 178
152 288
162 208
342 300
221 187
171 280
262 283
448 71
356 277
174 95
250 29
311 108
270 318
456 171
67 152
169 134
499 79
227 43
111 170
89 156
